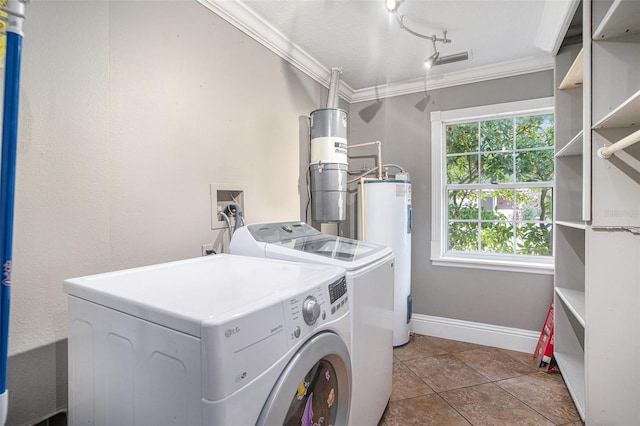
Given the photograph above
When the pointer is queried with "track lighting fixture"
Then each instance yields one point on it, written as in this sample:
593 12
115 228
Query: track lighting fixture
454 57
435 58
431 60
392 5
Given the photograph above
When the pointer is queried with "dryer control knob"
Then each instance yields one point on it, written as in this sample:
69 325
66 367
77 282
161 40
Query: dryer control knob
310 310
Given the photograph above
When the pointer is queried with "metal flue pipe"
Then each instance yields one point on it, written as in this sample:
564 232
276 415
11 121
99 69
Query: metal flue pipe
334 83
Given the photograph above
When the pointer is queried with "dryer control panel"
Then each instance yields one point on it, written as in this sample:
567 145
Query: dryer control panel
307 311
248 344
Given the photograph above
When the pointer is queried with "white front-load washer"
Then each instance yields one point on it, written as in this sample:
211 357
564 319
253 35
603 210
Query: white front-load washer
217 340
370 281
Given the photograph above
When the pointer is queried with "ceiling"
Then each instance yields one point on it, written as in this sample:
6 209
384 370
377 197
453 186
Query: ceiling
378 58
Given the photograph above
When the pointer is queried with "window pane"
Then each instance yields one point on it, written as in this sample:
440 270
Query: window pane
462 138
536 131
497 168
462 169
496 135
534 239
534 204
463 236
482 157
534 166
497 204
497 237
463 205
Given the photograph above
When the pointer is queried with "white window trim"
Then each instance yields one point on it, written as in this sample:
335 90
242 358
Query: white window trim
438 228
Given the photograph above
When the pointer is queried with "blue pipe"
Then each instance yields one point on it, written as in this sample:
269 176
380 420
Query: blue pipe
7 188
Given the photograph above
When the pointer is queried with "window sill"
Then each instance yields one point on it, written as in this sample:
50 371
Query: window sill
494 265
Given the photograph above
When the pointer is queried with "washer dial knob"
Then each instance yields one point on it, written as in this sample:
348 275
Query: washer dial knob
310 310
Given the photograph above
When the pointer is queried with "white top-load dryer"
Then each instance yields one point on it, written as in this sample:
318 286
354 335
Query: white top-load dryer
370 281
217 340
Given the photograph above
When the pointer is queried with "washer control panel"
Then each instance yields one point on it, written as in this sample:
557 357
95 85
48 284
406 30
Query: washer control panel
307 311
310 310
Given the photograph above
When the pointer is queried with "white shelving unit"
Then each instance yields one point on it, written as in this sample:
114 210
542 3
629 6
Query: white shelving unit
597 215
569 235
570 224
572 368
622 19
573 148
574 300
627 114
573 78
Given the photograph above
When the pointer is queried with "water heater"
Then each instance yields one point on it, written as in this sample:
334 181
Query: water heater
387 219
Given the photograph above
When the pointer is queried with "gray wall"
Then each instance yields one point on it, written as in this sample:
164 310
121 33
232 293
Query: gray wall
129 110
506 299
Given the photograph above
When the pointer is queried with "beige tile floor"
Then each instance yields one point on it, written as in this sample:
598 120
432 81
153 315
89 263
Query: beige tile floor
446 382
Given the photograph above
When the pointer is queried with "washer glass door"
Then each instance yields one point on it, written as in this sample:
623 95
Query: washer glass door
315 401
315 387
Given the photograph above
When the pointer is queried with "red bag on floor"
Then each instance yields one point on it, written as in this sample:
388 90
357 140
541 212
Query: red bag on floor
544 348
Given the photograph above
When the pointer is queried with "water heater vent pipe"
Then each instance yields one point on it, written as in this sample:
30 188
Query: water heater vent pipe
332 99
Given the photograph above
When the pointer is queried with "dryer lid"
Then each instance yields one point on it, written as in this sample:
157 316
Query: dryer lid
308 241
190 294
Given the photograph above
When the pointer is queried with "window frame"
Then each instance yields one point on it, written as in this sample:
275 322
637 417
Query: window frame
439 198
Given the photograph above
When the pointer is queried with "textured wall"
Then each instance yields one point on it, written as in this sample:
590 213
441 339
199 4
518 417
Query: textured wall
126 118
129 110
506 299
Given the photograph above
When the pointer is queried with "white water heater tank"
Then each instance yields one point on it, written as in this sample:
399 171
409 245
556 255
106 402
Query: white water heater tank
387 220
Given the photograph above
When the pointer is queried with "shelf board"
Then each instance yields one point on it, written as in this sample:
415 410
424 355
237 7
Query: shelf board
622 19
573 148
572 224
573 78
572 369
574 300
625 115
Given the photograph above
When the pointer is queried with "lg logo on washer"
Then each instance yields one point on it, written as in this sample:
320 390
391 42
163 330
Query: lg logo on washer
231 331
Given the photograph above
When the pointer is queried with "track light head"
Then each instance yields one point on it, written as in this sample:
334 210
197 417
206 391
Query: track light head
454 57
431 60
436 59
392 5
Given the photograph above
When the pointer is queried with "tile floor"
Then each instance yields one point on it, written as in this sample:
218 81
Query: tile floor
446 382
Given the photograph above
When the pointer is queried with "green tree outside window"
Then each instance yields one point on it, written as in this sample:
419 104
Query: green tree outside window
499 184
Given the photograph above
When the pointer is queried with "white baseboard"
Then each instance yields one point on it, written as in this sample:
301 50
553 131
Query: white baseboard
514 339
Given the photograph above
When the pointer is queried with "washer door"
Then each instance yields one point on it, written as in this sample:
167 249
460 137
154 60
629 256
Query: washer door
314 388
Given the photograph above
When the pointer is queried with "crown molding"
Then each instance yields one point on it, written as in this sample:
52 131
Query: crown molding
555 21
241 17
471 75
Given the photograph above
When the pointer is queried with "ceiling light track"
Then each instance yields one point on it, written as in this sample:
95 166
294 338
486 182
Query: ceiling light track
435 58
433 38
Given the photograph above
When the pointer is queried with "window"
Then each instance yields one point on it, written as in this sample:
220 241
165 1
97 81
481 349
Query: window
492 172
